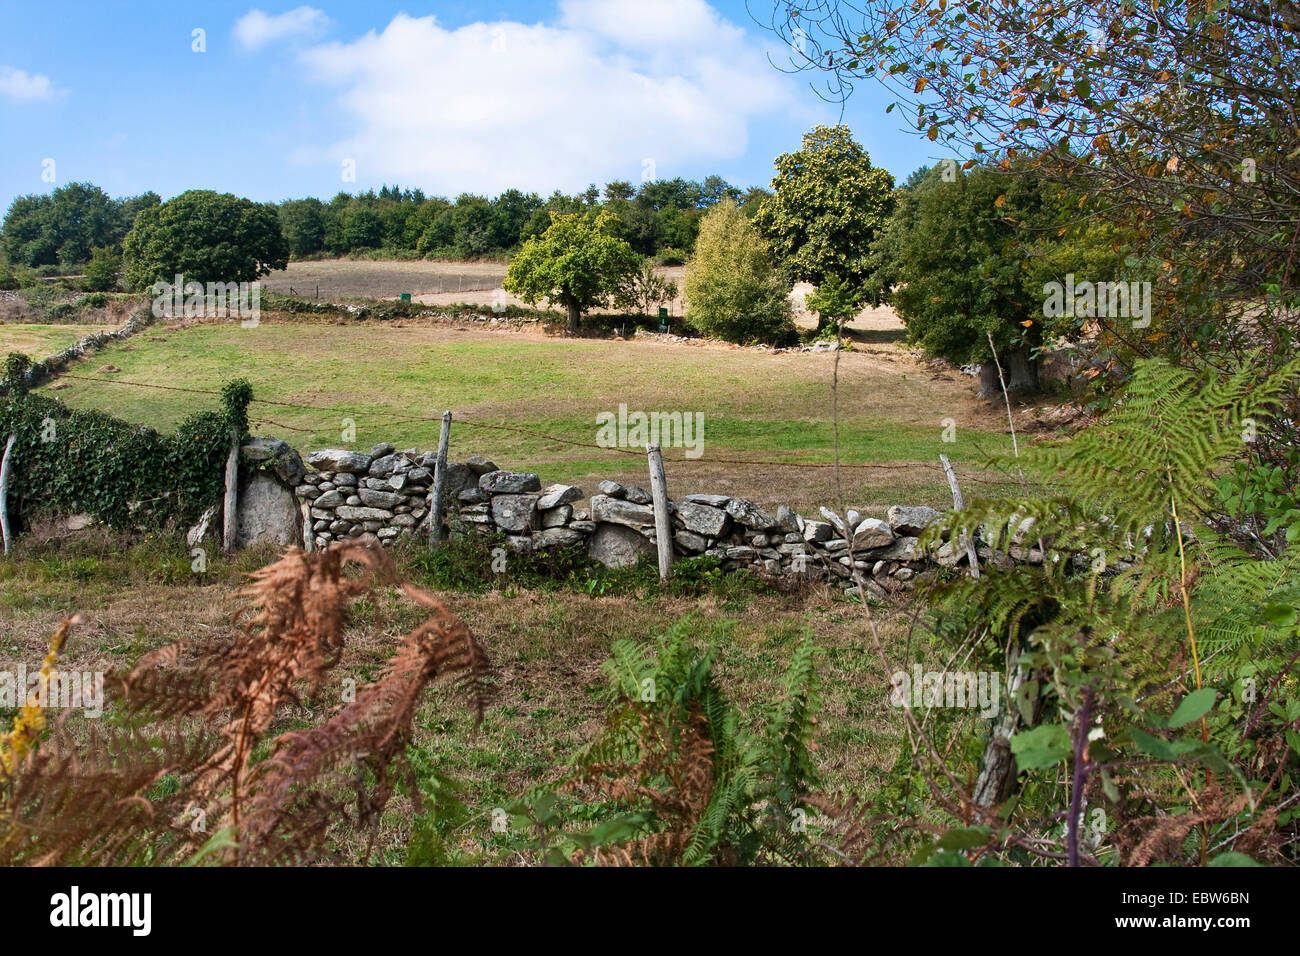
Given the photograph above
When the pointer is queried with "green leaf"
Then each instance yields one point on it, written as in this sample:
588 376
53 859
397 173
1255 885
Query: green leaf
1193 707
1232 859
1041 747
970 838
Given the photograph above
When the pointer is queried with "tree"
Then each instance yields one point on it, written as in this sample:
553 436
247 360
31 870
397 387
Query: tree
62 227
574 262
834 302
645 289
101 271
732 289
829 206
303 223
206 237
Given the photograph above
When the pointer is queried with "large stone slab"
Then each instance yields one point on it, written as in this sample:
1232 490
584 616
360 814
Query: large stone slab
616 546
713 501
872 533
555 495
556 538
703 519
339 459
618 511
359 513
268 513
514 513
380 499
911 520
749 514
509 482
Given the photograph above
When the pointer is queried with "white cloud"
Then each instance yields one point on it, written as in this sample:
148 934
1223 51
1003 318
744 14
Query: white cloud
492 105
255 29
25 87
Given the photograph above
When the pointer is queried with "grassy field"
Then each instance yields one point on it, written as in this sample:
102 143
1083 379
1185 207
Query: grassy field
394 379
364 278
38 341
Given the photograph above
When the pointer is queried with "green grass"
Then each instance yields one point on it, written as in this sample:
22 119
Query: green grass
41 341
757 405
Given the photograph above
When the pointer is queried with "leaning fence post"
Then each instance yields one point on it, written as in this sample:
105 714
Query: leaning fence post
958 504
5 467
230 509
439 482
663 524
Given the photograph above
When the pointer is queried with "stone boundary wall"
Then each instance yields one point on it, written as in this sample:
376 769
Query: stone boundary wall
385 494
43 369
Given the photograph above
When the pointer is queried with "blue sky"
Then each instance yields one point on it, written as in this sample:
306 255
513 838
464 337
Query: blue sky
450 97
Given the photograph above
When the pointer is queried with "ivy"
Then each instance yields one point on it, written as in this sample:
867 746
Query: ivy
128 476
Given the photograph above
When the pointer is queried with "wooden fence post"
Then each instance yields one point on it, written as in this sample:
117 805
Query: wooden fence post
439 482
663 522
5 467
958 504
230 508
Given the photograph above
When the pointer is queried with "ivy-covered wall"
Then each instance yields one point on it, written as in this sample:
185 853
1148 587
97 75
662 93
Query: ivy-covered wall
73 461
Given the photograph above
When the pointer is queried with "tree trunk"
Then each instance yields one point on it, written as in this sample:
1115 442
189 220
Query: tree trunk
574 315
1019 368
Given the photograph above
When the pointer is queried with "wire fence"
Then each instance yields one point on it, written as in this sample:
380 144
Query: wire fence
1006 477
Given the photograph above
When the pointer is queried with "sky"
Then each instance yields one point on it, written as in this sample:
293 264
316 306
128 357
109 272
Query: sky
274 102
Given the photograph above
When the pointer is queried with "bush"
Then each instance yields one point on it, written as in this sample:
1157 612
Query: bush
732 290
101 271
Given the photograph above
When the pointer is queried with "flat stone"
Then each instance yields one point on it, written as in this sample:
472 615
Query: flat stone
514 513
556 538
617 511
911 520
339 459
786 519
835 520
354 513
749 514
308 491
258 449
385 466
268 513
403 521
713 501
741 553
473 496
903 548
509 482
330 499
345 480
703 519
380 499
555 495
616 546
382 449
582 525
814 531
690 541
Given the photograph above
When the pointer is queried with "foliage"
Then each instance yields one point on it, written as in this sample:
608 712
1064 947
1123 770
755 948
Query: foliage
645 290
680 775
69 461
576 262
732 290
835 303
204 236
1150 658
67 225
102 270
829 207
177 781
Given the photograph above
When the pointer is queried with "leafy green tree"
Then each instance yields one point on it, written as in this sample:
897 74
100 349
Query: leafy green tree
732 290
303 223
829 206
363 229
575 262
835 303
645 289
102 270
206 237
60 228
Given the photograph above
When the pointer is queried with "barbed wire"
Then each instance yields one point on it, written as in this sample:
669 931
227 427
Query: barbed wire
494 426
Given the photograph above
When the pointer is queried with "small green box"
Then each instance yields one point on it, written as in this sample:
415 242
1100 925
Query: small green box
405 297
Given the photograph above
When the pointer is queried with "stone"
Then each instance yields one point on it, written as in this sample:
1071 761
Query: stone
814 531
749 514
330 499
872 533
904 574
268 513
403 521
555 495
383 467
353 500
581 516
339 459
703 519
354 513
616 546
382 449
690 541
345 480
638 496
759 541
478 465
380 499
308 491
787 520
835 520
741 553
713 501
509 482
514 513
519 543
583 526
396 483
611 488
372 525
321 513
256 450
473 496
387 534
617 511
903 548
911 520
423 476
555 517
556 538
852 518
